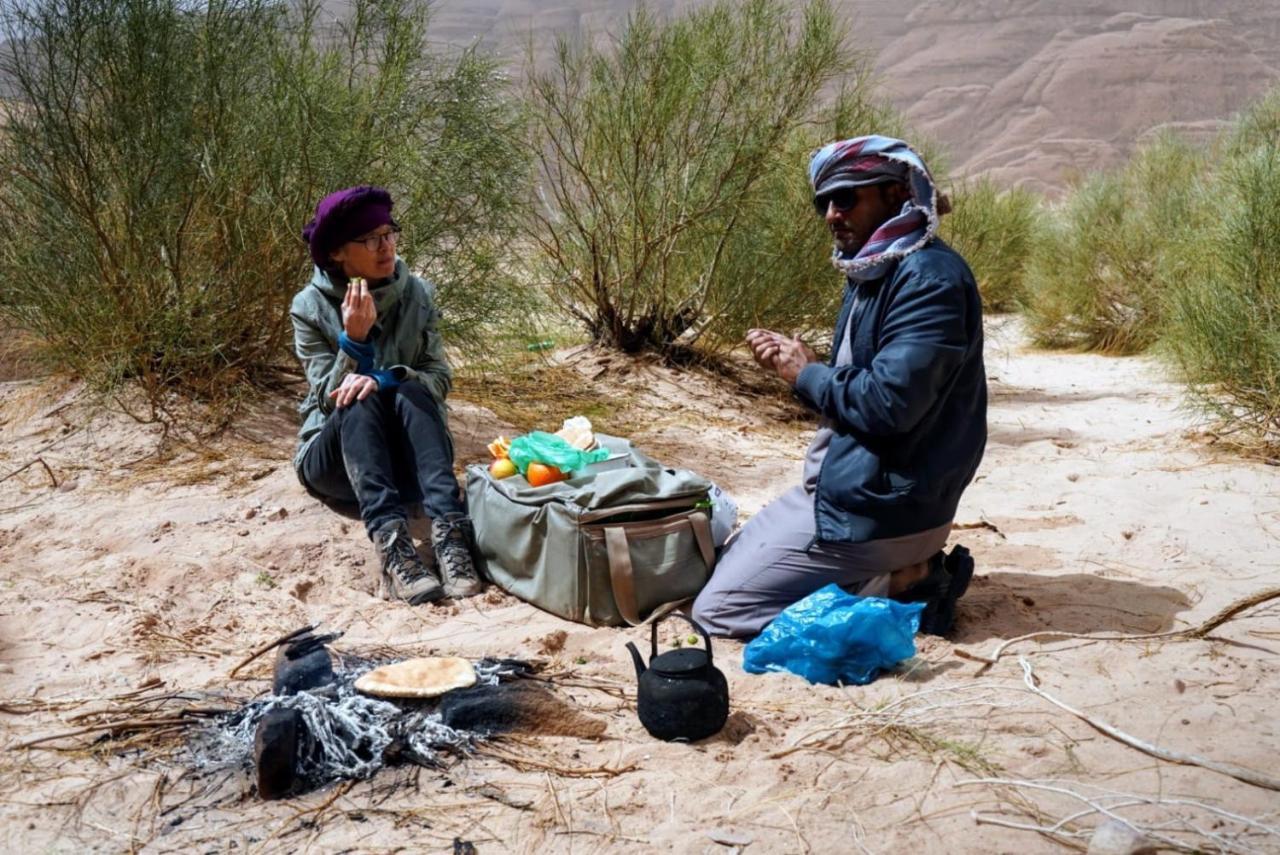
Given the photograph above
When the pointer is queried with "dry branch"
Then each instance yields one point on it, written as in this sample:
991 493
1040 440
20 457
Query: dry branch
1200 631
1240 773
269 646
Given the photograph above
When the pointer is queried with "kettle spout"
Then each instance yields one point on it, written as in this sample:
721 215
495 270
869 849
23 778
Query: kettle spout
635 657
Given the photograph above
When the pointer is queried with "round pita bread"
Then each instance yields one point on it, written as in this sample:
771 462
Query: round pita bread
427 677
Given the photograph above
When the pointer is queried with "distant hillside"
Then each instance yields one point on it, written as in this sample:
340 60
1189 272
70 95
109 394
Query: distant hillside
1028 91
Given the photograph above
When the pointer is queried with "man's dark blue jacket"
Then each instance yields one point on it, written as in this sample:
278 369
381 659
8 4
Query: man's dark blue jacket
910 412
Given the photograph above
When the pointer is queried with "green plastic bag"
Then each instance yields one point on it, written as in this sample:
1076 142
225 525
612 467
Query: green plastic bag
540 447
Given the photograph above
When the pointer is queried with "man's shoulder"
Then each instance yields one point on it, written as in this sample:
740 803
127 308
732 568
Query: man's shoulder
936 261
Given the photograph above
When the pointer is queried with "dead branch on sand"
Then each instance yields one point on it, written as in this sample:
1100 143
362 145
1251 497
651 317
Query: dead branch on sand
1200 631
1240 773
53 478
909 717
527 764
271 645
119 728
1183 825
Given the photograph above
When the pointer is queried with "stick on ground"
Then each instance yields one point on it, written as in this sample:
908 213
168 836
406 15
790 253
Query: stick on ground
1240 773
1200 631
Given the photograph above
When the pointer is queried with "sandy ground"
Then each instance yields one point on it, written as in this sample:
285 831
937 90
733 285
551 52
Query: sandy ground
1096 510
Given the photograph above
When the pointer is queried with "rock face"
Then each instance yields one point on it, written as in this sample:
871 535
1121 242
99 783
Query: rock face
1027 91
1031 91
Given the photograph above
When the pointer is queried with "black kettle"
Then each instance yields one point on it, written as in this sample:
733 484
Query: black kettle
681 694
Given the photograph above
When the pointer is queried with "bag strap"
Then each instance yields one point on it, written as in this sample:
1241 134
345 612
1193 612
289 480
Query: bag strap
622 573
701 525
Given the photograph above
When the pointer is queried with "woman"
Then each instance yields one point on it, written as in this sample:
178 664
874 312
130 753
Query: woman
374 430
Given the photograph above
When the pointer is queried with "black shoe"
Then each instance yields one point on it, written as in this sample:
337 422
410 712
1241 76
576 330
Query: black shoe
404 576
452 538
947 582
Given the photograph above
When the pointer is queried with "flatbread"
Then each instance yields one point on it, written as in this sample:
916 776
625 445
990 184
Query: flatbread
427 677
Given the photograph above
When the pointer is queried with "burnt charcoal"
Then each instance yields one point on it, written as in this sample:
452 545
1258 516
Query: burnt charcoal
507 669
519 706
303 663
277 744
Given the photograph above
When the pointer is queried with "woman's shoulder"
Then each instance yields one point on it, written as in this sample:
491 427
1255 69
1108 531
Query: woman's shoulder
307 298
419 291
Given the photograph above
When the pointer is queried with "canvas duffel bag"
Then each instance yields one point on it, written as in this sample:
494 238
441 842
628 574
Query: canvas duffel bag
608 547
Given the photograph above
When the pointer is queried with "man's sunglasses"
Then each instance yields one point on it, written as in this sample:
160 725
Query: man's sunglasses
844 199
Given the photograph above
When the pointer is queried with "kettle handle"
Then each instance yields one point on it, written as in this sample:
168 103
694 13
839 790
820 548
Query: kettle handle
653 635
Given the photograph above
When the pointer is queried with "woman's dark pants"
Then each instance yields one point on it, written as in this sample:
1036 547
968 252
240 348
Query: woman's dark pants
383 453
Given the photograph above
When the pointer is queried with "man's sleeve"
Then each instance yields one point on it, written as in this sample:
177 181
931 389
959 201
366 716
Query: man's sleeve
325 368
431 369
922 345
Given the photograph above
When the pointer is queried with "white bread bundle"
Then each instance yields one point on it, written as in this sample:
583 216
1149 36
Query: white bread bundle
578 433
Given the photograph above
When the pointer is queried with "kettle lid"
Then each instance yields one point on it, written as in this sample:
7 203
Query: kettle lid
680 663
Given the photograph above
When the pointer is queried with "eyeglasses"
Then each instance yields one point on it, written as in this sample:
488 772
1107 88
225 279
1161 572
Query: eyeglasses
845 198
374 242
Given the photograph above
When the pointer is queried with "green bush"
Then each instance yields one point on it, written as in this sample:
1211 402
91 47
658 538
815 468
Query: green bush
1102 276
674 202
995 231
1257 126
164 154
1224 328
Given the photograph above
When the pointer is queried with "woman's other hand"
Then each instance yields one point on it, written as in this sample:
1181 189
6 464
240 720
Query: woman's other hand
355 387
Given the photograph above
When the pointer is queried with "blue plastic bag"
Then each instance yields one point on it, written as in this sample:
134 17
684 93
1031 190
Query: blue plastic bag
835 637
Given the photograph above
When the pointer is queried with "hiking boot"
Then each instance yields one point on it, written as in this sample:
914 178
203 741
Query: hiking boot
947 582
404 576
452 538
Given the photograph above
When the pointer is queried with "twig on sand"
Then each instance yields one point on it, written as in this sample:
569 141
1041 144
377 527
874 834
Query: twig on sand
1179 826
113 728
525 764
1240 773
258 651
1200 631
53 478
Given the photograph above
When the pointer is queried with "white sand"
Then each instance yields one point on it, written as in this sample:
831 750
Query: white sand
1112 517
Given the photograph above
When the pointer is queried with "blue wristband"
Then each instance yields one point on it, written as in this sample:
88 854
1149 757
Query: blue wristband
360 351
386 378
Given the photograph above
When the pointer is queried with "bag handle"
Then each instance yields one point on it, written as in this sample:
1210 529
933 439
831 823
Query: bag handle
653 634
622 573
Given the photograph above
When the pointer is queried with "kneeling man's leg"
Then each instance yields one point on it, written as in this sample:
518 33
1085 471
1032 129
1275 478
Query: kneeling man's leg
767 568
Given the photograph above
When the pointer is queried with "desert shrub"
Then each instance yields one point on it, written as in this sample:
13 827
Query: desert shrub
162 156
995 230
1224 325
1256 126
674 206
1115 248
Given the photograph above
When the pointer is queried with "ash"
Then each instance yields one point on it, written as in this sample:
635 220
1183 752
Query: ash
352 735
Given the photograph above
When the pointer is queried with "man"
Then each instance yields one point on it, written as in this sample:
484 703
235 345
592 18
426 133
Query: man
902 403
373 421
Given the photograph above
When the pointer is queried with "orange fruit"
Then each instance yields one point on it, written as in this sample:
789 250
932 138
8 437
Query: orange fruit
540 474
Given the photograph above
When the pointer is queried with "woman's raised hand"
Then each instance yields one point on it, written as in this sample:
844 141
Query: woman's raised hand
358 310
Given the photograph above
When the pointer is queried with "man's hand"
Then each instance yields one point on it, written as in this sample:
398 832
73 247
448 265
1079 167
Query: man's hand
355 387
764 347
793 356
776 352
358 310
